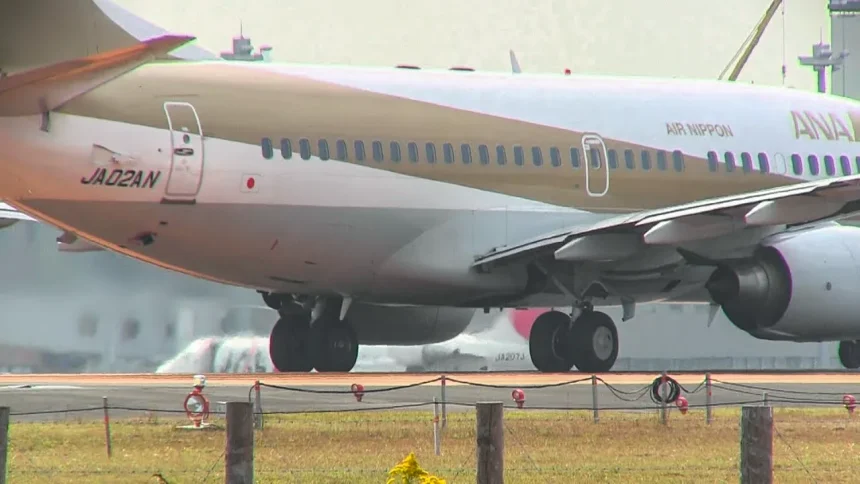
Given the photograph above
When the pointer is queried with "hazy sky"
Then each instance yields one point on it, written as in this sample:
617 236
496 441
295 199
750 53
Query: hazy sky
683 38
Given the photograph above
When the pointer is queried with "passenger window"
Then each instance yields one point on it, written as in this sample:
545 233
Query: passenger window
286 149
845 164
430 149
268 151
713 161
629 159
323 146
829 165
646 160
359 150
537 156
340 146
661 160
377 151
395 151
519 156
613 159
484 154
796 164
763 163
448 150
746 162
501 155
730 161
812 161
574 157
596 160
678 160
305 149
555 156
413 151
466 154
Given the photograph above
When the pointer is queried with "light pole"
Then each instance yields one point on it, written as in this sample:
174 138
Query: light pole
822 57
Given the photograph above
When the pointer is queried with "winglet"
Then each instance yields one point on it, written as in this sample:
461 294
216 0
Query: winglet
47 88
515 64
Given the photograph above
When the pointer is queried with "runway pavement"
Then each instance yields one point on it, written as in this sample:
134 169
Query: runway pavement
137 395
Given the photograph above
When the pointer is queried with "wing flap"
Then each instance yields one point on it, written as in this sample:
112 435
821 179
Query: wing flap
821 200
47 88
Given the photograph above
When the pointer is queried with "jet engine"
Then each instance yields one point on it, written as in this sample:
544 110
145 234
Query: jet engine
800 286
407 325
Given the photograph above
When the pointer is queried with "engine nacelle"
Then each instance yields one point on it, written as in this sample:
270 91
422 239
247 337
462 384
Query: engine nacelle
802 286
407 325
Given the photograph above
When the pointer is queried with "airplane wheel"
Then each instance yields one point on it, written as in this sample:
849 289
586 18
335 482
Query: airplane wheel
334 345
548 343
271 300
849 354
288 344
594 342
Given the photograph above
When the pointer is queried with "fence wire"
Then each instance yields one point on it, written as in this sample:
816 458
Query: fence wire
358 434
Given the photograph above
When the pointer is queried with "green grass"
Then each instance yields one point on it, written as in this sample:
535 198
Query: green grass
540 447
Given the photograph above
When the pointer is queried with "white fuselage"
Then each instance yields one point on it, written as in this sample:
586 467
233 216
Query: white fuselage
329 227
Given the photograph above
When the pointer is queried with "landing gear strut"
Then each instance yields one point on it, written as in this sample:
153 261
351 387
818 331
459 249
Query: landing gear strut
849 354
558 342
299 343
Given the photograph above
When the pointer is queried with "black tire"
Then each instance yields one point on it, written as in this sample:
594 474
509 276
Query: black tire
548 346
272 300
594 341
288 344
334 346
849 354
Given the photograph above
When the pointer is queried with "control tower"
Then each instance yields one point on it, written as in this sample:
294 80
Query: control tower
244 51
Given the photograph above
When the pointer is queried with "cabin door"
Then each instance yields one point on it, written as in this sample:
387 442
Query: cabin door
186 153
596 165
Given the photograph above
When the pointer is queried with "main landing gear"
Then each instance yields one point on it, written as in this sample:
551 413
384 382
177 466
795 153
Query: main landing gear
558 342
303 339
849 354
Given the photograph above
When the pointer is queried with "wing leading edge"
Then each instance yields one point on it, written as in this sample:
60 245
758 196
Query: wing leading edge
621 236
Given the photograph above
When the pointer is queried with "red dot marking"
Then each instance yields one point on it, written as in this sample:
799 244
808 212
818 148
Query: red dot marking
249 183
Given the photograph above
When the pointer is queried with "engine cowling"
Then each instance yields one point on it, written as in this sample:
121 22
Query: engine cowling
407 325
802 286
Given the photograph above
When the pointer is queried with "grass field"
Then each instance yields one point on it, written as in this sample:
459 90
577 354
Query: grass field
540 447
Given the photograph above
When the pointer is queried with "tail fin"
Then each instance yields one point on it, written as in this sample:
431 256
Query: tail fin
523 319
37 33
46 88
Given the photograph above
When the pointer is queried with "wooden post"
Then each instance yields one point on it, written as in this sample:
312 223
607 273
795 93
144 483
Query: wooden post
107 427
239 454
491 443
709 412
594 398
757 445
4 442
258 406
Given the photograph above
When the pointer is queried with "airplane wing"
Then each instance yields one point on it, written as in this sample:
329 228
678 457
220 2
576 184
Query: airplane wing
619 237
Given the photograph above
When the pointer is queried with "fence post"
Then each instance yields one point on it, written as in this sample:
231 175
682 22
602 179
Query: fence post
709 416
664 415
239 454
437 443
490 443
4 441
107 427
444 403
258 406
594 397
757 445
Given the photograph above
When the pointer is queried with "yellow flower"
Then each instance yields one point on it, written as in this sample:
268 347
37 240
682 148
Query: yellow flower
408 470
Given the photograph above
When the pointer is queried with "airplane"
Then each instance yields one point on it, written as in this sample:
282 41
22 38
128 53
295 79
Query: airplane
384 206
